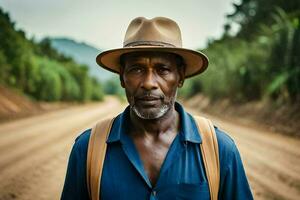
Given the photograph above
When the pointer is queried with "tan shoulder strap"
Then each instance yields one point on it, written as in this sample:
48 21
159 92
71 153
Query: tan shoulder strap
210 153
96 155
97 150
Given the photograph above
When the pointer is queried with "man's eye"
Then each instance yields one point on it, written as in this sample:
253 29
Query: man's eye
163 70
135 70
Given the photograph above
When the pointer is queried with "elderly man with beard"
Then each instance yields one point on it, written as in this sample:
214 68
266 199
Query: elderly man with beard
152 150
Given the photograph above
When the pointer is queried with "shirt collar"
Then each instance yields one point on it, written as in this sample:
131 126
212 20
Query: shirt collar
188 130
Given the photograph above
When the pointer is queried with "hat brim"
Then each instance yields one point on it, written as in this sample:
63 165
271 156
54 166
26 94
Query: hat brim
195 61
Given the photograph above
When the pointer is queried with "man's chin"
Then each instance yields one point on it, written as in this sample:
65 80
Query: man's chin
150 113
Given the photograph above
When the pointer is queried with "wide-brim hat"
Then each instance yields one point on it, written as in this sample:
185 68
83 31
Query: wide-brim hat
159 34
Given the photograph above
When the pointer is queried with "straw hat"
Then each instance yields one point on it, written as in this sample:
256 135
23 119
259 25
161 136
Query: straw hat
159 34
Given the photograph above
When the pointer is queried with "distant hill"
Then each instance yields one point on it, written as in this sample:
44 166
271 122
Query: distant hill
81 53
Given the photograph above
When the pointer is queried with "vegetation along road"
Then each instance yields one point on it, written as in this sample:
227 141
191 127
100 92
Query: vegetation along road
34 153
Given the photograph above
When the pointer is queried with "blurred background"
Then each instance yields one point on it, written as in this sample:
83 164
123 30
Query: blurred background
51 88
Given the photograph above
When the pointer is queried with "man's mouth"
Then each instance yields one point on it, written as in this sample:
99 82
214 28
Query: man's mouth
149 99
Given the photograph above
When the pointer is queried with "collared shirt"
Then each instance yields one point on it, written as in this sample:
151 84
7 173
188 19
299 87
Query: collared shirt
182 174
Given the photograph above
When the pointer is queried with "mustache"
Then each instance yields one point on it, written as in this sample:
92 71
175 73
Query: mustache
149 95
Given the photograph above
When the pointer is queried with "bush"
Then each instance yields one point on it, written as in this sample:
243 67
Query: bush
113 87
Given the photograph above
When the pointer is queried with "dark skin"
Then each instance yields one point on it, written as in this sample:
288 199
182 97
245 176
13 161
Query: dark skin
159 76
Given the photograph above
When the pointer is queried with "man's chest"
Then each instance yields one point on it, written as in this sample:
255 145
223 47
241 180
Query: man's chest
180 175
152 156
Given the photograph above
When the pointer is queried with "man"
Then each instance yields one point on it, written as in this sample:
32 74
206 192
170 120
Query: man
153 147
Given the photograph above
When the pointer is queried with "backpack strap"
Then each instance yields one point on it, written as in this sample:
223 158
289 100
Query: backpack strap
96 155
210 154
97 150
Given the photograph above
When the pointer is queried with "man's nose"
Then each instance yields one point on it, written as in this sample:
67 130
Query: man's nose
149 82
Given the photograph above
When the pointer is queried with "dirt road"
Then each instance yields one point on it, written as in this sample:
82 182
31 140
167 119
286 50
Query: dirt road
272 160
34 153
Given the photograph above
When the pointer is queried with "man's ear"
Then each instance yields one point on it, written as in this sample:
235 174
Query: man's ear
181 71
122 80
121 77
180 84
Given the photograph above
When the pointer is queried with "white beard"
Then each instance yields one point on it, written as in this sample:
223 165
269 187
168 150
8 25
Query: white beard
157 114
152 115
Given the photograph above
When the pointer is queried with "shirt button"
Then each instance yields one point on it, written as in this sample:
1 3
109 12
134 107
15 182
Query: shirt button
154 193
185 143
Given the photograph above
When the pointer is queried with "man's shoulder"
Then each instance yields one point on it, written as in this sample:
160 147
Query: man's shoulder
82 140
224 140
228 150
84 136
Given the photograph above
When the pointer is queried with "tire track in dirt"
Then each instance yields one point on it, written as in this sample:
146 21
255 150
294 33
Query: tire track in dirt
35 167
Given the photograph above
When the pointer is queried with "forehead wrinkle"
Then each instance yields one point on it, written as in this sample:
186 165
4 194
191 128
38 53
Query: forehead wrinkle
151 59
160 60
137 60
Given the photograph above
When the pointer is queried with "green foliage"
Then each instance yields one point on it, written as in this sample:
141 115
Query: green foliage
231 73
284 57
113 87
262 61
40 71
14 48
51 85
97 90
250 14
190 88
4 69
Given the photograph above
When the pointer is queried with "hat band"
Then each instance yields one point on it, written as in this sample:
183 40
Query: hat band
149 43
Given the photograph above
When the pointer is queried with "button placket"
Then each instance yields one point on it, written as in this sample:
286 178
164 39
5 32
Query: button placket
154 192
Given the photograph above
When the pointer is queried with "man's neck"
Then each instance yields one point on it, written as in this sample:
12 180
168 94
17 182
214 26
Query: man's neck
168 123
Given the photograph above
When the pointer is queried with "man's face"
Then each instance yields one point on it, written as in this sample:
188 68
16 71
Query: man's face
151 81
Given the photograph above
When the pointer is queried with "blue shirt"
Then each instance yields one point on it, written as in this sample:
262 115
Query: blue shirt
182 175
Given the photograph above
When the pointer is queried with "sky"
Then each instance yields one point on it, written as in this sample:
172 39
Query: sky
103 23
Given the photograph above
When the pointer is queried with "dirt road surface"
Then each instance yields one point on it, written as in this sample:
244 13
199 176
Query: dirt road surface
271 160
34 153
